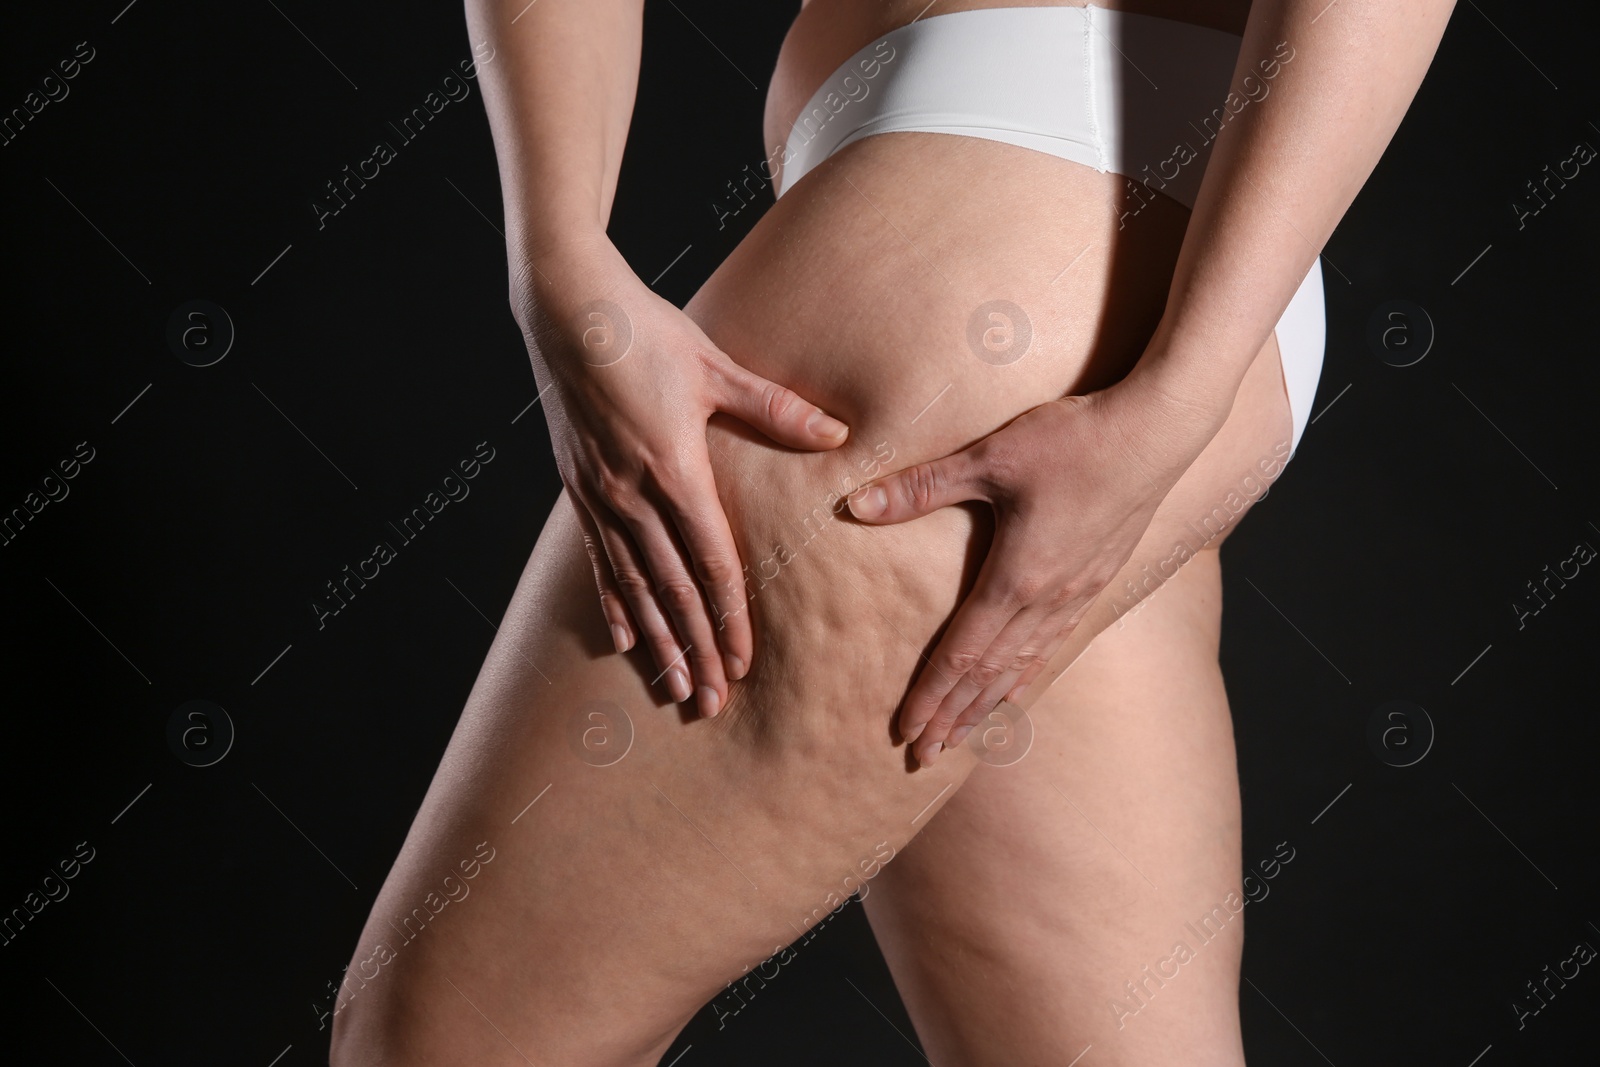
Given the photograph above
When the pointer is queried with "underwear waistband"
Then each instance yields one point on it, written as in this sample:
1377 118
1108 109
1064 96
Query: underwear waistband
1132 94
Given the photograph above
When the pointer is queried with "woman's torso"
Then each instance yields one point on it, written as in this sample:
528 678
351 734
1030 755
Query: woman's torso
828 32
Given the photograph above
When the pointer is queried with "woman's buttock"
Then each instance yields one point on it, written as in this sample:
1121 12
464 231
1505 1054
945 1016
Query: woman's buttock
926 289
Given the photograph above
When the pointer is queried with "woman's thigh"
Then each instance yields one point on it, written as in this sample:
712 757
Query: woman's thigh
641 860
1014 922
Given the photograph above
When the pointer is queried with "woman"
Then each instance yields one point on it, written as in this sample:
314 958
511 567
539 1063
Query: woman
1067 389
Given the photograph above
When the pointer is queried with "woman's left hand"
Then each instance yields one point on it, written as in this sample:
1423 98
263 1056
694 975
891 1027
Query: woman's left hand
1074 484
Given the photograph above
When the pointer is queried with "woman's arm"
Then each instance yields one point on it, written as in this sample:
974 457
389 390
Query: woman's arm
1281 175
629 381
560 100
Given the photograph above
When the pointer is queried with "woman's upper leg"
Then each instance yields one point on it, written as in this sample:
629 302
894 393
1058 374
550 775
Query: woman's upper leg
1058 879
623 896
1047 884
1014 922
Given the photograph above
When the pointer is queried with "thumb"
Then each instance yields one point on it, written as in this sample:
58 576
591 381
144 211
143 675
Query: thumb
918 491
777 412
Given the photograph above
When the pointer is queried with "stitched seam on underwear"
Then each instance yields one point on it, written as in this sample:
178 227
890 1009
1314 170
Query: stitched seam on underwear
1088 88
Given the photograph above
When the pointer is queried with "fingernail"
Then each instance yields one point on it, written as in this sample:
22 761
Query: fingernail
824 425
915 732
734 666
929 754
619 637
870 503
678 685
710 702
958 735
1016 694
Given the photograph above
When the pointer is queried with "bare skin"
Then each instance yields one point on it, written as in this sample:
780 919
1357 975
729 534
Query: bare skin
728 834
1277 182
1013 922
621 898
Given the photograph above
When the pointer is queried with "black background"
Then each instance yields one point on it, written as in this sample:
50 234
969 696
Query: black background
205 930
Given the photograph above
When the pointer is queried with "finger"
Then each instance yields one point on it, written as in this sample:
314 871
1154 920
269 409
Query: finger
777 412
919 490
1027 677
703 527
679 594
612 604
1028 661
1067 620
976 624
988 700
633 579
997 661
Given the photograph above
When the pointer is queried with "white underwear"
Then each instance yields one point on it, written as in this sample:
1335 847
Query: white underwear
1076 83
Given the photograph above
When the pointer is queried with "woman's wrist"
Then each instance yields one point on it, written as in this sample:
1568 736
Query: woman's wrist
1174 411
554 276
547 254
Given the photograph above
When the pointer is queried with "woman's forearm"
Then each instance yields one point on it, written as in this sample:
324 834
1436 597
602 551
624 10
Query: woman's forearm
560 97
1282 172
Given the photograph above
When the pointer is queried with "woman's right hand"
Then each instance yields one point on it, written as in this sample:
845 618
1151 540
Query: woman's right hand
628 384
